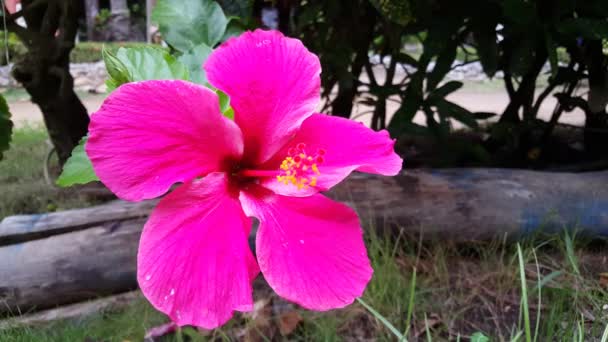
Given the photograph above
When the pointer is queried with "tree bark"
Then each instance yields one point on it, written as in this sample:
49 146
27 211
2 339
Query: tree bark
596 121
44 71
91 12
120 23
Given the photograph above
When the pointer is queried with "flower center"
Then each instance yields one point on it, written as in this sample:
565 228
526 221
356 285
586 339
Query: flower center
300 168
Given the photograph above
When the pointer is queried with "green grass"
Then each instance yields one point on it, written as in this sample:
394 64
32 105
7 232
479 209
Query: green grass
20 94
539 290
128 324
23 187
84 52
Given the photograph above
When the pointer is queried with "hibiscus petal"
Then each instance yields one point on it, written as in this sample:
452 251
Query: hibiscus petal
149 135
310 249
194 261
273 83
347 146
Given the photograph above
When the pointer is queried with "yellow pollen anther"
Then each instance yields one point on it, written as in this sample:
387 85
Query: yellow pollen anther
299 168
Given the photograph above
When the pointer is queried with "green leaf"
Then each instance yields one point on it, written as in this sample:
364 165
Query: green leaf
443 91
441 34
479 337
552 53
148 63
443 65
225 104
6 126
483 115
78 169
585 27
487 46
229 113
140 64
224 100
449 109
237 8
185 24
116 70
235 28
194 59
404 115
407 59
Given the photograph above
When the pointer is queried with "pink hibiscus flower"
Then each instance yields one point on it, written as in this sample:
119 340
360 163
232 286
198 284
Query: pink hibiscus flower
271 162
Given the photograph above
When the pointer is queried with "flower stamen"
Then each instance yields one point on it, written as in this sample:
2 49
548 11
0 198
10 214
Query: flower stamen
299 168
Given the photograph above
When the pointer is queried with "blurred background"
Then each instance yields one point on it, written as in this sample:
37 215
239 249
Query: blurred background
498 107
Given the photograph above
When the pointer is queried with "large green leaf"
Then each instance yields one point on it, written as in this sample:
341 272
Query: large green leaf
552 53
188 23
237 8
150 63
78 168
194 59
6 126
449 109
443 91
405 114
234 28
443 65
142 63
484 33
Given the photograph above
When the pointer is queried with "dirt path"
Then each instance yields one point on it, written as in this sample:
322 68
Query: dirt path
486 100
26 113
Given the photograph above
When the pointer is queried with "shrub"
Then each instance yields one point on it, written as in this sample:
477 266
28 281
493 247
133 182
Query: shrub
89 52
14 46
515 37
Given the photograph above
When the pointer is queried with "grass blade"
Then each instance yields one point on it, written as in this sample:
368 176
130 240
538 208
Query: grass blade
570 253
537 324
427 330
410 305
605 335
383 320
524 294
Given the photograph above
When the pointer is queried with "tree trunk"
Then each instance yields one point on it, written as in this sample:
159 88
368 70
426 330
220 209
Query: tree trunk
596 122
45 70
91 12
120 23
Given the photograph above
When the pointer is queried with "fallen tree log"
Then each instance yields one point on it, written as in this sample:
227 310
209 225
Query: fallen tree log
78 310
65 257
481 204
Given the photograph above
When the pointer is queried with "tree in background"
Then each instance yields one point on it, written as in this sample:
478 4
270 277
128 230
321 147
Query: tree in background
91 12
44 70
120 23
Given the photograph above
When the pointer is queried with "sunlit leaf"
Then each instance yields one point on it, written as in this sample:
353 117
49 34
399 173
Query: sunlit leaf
78 168
185 24
142 63
194 59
